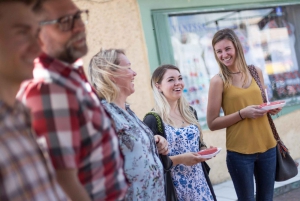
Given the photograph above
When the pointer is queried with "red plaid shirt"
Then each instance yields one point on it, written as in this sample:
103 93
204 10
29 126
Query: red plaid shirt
78 131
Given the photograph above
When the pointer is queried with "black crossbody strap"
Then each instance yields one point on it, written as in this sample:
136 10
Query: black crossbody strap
166 161
160 126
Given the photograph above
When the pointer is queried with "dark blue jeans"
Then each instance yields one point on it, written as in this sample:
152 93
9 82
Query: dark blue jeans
242 167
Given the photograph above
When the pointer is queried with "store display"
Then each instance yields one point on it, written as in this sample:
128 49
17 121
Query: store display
268 41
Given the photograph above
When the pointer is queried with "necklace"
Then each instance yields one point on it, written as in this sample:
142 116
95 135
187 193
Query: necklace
235 72
182 122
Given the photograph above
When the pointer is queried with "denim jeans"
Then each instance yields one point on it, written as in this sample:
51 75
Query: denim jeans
242 167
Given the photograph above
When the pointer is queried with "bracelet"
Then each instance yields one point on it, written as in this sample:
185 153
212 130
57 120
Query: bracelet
241 115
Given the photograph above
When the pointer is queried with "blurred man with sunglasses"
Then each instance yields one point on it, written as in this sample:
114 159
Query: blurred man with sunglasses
81 140
26 172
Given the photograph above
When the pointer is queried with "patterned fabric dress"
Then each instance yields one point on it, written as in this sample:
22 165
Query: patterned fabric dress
142 166
189 181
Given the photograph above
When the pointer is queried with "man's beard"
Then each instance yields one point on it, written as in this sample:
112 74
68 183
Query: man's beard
72 53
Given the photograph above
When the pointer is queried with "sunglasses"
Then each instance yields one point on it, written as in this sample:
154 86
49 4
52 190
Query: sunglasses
66 23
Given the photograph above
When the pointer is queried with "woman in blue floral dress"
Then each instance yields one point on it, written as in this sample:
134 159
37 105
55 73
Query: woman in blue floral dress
112 78
183 135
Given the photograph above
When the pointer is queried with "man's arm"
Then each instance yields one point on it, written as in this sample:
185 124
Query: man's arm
68 180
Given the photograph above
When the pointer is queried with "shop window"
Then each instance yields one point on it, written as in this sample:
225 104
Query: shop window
268 39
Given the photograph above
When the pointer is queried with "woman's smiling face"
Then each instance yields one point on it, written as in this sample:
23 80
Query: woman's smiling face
225 52
124 76
171 85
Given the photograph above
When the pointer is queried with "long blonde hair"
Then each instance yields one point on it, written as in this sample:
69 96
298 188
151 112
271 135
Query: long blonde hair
102 68
240 59
162 107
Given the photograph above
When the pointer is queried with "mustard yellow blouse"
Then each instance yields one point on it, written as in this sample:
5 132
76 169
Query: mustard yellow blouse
249 135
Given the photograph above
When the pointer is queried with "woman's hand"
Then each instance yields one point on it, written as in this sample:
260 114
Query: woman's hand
252 112
191 158
274 111
161 144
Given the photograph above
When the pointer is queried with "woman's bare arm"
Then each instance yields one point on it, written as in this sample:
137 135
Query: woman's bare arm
214 120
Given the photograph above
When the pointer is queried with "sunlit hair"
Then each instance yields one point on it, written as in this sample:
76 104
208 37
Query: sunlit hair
102 68
240 59
162 107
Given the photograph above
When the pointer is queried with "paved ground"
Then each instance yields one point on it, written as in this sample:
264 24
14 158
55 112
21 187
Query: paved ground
293 195
225 191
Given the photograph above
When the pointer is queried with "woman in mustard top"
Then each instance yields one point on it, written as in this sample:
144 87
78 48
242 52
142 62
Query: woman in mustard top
249 139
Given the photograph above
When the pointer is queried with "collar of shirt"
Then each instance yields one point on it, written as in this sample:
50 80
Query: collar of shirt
70 75
62 68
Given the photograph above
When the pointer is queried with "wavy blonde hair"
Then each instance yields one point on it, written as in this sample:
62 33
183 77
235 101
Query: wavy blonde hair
162 107
240 58
102 68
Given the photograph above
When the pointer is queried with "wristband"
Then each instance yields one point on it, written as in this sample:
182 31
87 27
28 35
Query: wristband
241 115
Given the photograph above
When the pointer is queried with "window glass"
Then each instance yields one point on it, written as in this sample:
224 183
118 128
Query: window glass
268 40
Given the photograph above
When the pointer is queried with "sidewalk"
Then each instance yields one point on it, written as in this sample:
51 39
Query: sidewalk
288 190
293 195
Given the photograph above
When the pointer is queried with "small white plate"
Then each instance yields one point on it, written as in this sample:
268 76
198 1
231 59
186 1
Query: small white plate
271 107
211 155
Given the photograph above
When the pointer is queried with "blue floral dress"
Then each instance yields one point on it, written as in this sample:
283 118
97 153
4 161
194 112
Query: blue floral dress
189 181
142 166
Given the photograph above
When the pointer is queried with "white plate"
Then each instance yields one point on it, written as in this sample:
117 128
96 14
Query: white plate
211 155
271 107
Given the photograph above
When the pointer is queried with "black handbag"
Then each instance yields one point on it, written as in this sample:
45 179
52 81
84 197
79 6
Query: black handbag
167 163
286 167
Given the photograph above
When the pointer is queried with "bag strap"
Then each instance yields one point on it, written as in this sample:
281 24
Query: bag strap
282 147
166 161
160 125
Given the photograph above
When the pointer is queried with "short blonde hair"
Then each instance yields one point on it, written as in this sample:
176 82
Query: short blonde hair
240 58
101 70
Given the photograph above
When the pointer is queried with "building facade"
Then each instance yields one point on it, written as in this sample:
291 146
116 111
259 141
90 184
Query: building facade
155 32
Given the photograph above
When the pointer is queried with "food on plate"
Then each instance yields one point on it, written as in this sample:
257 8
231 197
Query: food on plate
208 151
271 103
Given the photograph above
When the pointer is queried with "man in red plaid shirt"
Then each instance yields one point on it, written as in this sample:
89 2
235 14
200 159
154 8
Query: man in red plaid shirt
81 141
26 172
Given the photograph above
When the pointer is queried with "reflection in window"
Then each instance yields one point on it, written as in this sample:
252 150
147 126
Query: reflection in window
268 40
